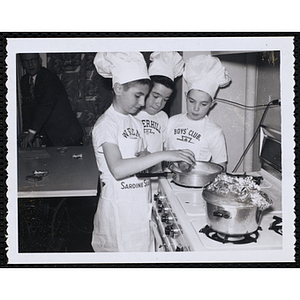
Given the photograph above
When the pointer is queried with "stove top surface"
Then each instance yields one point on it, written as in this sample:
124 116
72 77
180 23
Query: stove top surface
190 209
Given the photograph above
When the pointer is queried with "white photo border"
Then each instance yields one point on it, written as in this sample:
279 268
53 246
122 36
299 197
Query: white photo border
246 44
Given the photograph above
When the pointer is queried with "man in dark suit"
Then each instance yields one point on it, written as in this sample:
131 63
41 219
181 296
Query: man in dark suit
46 109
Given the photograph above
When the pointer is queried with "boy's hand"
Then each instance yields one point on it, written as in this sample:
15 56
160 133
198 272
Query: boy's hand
184 166
184 155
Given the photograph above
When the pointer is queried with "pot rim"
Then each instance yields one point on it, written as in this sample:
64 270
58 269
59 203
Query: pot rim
218 169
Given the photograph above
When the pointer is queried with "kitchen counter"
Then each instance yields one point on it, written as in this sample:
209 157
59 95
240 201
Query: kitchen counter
68 176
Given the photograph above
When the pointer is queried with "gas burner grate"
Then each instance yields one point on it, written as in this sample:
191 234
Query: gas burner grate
276 225
226 238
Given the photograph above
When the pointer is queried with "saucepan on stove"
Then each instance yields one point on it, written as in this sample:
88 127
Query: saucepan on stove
234 206
198 175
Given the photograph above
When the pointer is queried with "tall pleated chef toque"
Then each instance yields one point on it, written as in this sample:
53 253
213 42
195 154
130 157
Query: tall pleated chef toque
166 63
122 67
205 73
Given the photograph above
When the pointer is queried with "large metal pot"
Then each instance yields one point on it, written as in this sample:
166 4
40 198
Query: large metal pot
226 215
198 175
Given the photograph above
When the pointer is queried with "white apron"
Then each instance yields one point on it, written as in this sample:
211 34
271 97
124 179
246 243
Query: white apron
122 219
121 222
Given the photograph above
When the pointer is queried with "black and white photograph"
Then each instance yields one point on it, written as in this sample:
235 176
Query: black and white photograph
150 150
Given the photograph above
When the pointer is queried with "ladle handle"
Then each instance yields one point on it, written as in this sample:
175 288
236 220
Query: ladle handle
147 175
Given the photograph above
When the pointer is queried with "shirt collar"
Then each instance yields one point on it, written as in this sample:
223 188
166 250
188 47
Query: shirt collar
33 78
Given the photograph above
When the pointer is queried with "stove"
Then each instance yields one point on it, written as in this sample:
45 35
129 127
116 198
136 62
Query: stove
179 214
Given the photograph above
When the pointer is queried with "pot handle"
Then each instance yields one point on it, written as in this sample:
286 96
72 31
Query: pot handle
148 175
222 214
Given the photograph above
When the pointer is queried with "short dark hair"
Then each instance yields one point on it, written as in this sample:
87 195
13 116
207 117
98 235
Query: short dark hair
128 85
166 81
35 54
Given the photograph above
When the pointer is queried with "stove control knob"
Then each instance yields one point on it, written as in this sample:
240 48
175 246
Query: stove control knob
173 231
162 197
166 209
167 218
168 230
159 203
157 197
159 207
179 248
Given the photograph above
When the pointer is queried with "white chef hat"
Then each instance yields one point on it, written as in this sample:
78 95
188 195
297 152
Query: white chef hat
166 63
122 67
205 73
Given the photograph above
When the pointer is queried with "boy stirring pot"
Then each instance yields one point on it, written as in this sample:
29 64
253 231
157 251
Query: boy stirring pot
194 130
121 222
164 68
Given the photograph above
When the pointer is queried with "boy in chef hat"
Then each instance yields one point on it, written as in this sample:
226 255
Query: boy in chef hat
121 222
164 68
194 130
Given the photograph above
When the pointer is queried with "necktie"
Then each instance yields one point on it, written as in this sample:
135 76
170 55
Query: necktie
31 88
